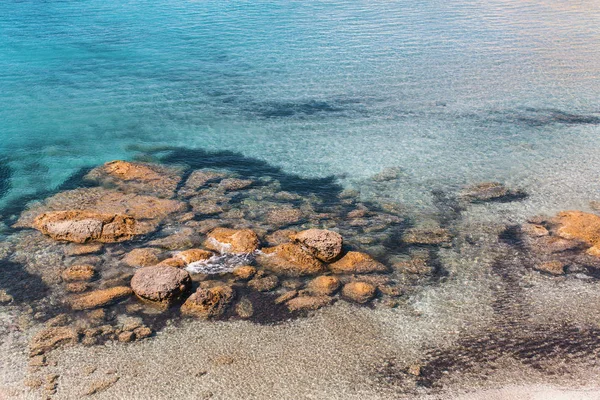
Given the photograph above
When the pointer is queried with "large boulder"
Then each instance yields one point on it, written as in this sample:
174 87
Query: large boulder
236 241
208 302
100 298
135 177
290 259
355 262
324 244
85 226
160 284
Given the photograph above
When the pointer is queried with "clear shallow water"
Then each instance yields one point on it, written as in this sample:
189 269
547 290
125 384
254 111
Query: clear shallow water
452 92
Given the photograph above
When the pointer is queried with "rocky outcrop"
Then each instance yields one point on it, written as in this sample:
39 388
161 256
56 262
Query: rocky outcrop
355 262
100 298
236 241
160 284
324 244
578 225
208 303
290 259
144 178
359 292
324 285
85 226
142 257
490 191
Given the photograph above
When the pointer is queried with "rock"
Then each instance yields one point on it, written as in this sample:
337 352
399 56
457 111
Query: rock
206 206
231 184
414 266
490 191
82 249
414 370
244 272
38 361
5 298
290 259
578 225
142 332
359 292
324 244
534 230
235 241
185 237
593 251
126 337
59 320
306 303
198 179
83 226
100 298
279 237
286 296
244 308
160 284
78 273
208 303
50 338
355 262
194 255
428 236
77 287
142 257
264 284
137 177
554 244
388 174
101 385
175 262
324 285
551 267
283 216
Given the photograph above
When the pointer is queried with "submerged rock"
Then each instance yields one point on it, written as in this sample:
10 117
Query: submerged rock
490 191
82 249
284 215
194 255
264 284
551 267
324 244
100 298
244 272
225 240
208 303
324 285
49 338
77 273
306 303
578 225
355 262
84 226
359 292
161 284
290 259
142 257
427 236
232 184
185 237
137 177
200 178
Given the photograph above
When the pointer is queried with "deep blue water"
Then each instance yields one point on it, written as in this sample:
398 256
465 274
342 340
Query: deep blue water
451 92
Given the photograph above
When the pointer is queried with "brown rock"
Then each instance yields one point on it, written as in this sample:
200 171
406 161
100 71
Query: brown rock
142 257
208 303
577 225
534 230
200 178
359 292
290 259
264 284
78 273
193 255
414 266
489 191
244 272
126 337
324 285
137 177
231 184
308 303
82 249
244 308
50 338
286 296
5 298
283 216
84 226
324 244
355 262
77 287
279 237
100 298
142 332
101 385
160 284
175 262
551 267
186 237
429 236
235 241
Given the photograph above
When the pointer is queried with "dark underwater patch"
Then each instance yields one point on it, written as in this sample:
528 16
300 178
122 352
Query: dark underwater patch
5 174
537 117
20 284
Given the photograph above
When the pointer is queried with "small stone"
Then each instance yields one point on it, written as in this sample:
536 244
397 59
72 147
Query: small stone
208 303
265 284
359 292
292 284
286 296
414 369
78 273
244 272
308 303
142 332
244 308
280 236
101 385
126 337
551 267
143 257
100 298
5 298
161 284
33 382
324 285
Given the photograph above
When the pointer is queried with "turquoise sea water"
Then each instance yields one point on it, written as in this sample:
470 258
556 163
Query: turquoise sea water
451 92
